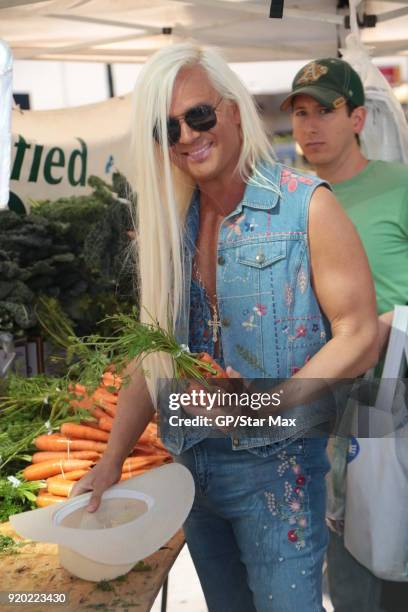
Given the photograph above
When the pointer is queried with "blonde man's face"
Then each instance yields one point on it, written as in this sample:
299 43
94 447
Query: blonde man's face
210 155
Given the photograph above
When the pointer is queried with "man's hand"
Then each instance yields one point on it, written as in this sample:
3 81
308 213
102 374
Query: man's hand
232 373
204 407
101 477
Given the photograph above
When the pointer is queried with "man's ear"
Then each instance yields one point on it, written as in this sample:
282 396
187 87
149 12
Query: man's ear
236 113
358 117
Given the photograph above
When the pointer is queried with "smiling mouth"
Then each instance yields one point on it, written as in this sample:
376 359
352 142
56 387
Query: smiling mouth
199 154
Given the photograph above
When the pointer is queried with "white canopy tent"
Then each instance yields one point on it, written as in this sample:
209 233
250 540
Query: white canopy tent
130 30
68 146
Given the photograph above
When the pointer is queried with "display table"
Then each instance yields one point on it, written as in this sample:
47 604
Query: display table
34 567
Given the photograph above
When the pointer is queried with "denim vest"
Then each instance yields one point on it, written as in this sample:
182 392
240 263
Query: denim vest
271 322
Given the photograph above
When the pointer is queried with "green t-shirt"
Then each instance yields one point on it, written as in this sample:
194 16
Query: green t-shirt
376 200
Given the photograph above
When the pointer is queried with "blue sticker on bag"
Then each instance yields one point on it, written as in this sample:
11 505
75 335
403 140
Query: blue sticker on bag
353 449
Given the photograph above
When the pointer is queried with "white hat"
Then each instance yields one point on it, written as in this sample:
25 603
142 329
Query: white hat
135 518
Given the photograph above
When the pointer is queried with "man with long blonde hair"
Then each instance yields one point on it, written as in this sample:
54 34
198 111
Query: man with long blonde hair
257 265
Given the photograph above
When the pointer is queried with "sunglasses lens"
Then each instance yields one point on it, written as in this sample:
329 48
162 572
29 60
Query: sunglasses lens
201 118
173 131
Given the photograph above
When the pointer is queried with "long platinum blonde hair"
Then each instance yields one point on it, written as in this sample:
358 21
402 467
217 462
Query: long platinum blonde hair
164 192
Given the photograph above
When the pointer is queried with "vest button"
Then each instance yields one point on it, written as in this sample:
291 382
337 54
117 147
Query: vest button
235 441
225 322
260 257
221 260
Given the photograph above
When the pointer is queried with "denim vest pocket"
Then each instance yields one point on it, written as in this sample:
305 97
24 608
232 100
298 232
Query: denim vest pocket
261 255
249 271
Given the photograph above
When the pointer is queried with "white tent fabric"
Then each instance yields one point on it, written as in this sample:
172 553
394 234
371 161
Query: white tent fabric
385 133
5 120
55 151
129 31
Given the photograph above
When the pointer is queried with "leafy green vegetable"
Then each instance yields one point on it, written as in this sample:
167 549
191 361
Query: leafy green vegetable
15 498
30 407
74 249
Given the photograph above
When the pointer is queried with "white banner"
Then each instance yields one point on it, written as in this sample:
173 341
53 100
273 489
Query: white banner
55 152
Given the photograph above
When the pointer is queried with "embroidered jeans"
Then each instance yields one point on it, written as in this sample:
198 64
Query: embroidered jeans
257 531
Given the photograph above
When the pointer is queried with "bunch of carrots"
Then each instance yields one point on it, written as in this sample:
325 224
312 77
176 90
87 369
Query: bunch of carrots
65 456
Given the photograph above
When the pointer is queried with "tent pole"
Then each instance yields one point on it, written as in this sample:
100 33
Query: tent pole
276 11
109 74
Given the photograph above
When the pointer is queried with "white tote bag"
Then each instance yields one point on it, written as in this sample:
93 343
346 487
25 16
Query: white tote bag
376 516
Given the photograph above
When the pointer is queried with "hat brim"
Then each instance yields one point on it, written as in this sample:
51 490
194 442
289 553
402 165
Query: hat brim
170 489
326 97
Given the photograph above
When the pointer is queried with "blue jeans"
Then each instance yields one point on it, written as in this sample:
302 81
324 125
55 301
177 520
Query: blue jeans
257 531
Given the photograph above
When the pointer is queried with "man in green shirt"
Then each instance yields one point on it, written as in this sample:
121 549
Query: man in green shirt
328 114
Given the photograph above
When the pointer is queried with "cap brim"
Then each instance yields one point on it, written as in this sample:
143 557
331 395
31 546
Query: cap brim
171 489
326 97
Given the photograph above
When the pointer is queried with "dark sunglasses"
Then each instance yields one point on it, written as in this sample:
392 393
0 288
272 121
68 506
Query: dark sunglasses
200 118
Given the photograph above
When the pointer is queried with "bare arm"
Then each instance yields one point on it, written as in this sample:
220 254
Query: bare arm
134 412
344 288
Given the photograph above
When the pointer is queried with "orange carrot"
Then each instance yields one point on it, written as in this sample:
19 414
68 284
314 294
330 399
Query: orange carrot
83 432
219 372
134 463
145 438
127 475
75 474
59 442
149 435
149 450
46 499
152 429
112 380
45 456
110 374
89 404
52 467
99 413
160 446
59 486
110 409
144 449
106 423
102 394
90 423
101 397
80 390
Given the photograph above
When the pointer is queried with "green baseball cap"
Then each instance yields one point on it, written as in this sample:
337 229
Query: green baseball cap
330 81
